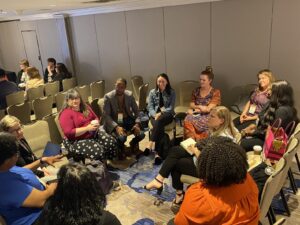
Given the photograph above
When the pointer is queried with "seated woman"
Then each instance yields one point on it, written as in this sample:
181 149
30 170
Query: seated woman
26 158
281 106
80 126
204 98
258 99
179 161
22 76
34 78
86 208
161 111
226 193
22 195
61 74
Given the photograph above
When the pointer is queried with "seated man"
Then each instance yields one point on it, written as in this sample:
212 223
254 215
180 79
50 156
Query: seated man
121 115
6 88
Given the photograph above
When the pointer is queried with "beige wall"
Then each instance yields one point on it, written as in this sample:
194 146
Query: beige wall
237 37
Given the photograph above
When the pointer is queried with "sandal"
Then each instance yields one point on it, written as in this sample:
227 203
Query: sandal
159 190
176 205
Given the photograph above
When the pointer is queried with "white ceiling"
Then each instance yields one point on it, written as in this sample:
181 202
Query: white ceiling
39 9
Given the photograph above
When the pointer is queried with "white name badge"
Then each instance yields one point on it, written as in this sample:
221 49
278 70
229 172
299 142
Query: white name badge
163 109
120 117
252 109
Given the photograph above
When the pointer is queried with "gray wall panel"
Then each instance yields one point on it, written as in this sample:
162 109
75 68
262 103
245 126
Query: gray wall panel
285 46
240 41
187 32
85 47
146 43
113 47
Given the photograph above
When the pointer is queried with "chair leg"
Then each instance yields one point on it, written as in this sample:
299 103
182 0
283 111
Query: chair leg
292 181
272 214
285 205
270 218
298 162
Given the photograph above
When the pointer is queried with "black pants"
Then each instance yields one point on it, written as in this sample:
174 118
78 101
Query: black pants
248 144
159 125
240 126
177 163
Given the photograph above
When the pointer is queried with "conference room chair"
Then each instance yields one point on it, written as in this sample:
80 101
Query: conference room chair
297 131
54 132
42 107
97 89
2 113
37 135
58 126
15 98
142 100
34 93
51 89
21 111
59 100
185 95
96 107
136 82
269 191
69 83
84 92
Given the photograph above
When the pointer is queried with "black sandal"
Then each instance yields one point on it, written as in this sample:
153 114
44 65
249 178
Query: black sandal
158 190
176 205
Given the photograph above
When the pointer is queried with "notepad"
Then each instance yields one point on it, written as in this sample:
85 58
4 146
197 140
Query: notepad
186 143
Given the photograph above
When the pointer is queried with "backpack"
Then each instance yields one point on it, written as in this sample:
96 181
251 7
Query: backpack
163 145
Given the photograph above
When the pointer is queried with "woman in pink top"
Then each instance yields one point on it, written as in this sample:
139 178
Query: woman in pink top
80 126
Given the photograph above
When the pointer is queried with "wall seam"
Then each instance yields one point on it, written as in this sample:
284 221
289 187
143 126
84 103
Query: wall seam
271 31
165 44
127 40
98 52
210 33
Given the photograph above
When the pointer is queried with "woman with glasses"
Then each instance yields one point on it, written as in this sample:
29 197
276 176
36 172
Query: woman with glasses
26 158
81 127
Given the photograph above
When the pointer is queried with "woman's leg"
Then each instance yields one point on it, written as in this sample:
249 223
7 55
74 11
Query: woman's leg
158 126
240 126
109 144
248 143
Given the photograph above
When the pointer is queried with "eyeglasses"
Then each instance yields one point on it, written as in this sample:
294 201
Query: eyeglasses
18 129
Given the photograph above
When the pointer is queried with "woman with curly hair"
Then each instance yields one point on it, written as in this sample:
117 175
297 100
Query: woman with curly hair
281 106
226 193
77 200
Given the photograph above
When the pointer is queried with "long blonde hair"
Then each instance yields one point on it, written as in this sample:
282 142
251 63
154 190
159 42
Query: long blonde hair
224 113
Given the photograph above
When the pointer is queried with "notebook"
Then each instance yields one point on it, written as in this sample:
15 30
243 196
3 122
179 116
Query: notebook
51 149
186 143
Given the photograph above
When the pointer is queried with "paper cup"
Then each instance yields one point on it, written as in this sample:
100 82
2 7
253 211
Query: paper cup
257 149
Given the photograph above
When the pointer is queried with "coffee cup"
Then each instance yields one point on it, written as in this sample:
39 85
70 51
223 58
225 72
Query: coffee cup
257 149
95 122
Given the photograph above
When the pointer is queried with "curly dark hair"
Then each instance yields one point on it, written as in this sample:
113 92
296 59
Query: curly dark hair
221 162
8 146
78 199
282 95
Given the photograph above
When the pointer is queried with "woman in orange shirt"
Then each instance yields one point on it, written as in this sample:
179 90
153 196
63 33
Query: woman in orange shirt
226 193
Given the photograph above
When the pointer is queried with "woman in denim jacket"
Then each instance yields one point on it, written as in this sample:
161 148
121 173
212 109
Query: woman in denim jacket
161 111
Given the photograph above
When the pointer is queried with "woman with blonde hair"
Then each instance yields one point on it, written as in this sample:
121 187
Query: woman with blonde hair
258 99
182 161
35 78
22 75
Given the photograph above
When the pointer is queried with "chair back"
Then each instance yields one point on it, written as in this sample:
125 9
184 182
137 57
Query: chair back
96 107
288 156
35 93
21 111
2 113
241 94
136 82
84 92
37 135
185 91
143 91
54 132
59 99
270 187
42 107
52 88
69 83
97 89
15 98
296 131
58 126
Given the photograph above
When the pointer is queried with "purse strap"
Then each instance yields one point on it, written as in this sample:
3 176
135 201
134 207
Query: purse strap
290 127
276 125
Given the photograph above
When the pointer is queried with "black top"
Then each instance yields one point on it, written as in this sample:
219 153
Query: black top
46 75
26 155
6 88
60 77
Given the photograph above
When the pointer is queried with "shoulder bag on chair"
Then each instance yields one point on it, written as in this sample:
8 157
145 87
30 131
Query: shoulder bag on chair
276 140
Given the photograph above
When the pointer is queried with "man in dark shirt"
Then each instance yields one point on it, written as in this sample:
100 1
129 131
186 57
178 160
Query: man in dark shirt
6 88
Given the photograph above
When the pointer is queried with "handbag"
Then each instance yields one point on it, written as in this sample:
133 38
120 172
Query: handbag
276 140
102 175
